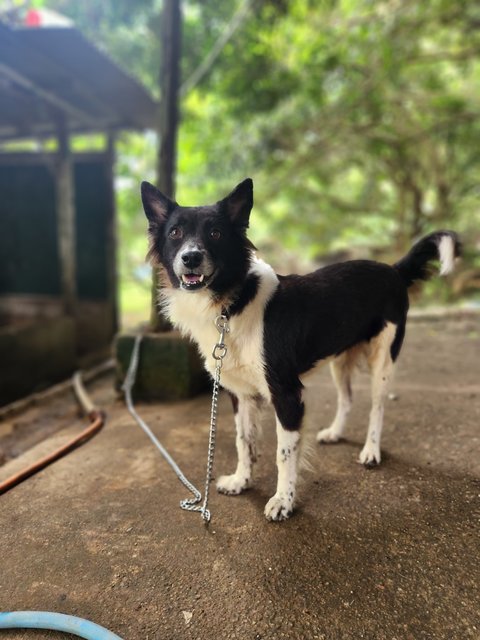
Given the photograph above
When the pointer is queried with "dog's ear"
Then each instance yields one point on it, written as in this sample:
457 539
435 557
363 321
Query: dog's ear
239 203
157 206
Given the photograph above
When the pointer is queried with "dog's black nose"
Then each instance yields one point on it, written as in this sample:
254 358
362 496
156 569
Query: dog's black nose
192 259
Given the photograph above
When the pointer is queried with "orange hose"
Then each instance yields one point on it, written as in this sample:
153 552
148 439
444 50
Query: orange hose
97 420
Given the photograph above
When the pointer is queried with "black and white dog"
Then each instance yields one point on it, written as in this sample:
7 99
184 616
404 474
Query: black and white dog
282 326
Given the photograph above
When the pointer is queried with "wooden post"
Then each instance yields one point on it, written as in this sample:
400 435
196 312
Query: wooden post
167 123
65 203
112 233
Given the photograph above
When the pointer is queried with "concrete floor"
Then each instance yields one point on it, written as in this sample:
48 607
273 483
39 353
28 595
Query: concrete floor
386 554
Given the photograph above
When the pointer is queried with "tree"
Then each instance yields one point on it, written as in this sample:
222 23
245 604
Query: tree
167 128
358 120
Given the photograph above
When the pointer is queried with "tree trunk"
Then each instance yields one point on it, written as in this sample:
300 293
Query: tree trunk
167 124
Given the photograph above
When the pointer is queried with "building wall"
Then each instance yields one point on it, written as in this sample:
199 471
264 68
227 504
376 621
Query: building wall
30 283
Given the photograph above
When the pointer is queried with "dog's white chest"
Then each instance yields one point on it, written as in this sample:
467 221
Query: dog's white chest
243 370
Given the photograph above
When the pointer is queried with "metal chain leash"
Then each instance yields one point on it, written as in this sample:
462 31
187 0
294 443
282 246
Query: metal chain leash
219 352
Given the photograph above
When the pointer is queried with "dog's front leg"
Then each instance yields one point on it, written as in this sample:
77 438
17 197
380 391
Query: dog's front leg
246 411
289 411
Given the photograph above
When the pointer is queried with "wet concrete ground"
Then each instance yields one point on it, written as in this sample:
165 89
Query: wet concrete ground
386 554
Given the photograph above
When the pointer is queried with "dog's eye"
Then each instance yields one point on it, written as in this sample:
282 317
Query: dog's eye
176 233
215 234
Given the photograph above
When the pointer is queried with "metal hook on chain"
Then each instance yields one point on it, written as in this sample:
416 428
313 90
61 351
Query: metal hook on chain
220 349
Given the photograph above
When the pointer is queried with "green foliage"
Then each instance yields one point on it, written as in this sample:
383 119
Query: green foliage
358 119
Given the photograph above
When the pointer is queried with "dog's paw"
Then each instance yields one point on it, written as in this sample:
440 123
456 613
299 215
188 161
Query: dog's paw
233 485
370 455
278 508
328 436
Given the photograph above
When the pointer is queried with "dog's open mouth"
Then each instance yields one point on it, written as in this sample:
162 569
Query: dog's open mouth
192 281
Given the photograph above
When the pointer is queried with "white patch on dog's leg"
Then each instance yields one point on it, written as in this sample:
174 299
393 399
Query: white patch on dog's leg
341 377
370 454
280 506
382 371
246 422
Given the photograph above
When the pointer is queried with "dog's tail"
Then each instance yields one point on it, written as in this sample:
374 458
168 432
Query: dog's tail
444 246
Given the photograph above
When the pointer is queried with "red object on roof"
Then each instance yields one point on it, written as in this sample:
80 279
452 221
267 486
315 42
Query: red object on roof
33 18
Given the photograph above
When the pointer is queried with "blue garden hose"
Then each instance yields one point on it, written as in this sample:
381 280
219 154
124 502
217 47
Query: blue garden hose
55 622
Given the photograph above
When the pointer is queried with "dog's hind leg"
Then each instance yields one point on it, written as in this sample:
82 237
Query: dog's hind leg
247 416
289 411
382 366
341 374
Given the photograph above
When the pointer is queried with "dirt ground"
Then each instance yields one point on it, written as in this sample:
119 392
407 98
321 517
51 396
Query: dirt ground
384 554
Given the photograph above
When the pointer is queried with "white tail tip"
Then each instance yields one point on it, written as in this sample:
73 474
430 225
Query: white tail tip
446 253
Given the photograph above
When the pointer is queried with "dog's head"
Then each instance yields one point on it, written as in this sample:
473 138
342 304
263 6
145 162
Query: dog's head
201 247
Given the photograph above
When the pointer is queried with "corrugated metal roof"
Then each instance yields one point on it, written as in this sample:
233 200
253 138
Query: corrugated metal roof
53 74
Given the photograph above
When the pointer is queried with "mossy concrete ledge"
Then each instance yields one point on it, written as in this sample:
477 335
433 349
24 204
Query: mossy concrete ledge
170 367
